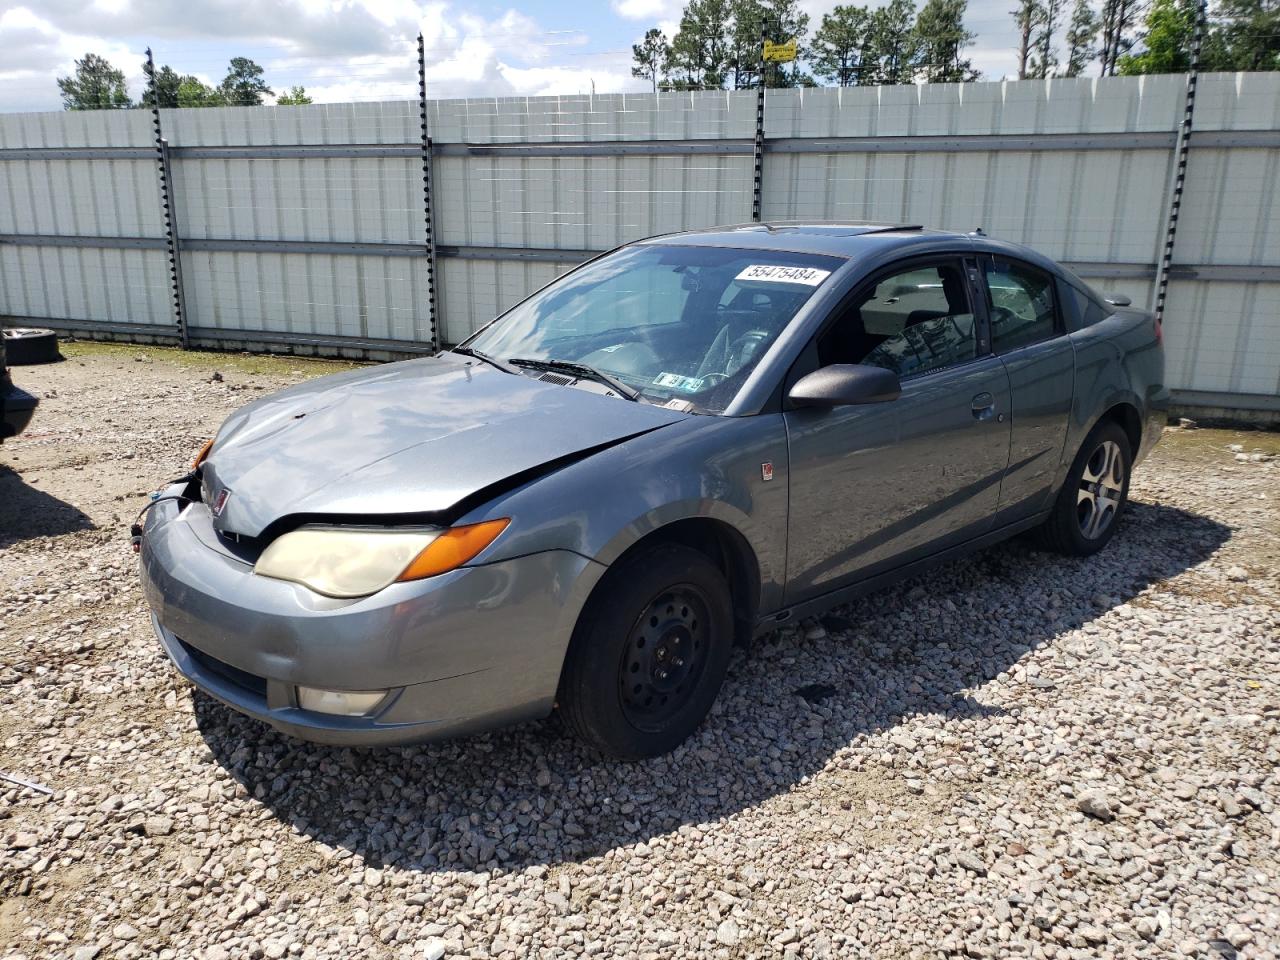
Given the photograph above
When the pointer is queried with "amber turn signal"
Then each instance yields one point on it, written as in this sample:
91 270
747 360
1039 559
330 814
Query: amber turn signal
453 548
204 452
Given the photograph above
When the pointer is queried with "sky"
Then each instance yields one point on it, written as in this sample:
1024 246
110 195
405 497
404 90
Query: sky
344 50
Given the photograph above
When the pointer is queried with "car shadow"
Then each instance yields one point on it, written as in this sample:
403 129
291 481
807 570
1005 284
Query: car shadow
27 512
533 795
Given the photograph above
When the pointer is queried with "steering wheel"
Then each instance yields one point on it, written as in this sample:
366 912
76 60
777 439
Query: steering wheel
743 349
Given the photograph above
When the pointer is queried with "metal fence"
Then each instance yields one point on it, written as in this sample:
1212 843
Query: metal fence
382 228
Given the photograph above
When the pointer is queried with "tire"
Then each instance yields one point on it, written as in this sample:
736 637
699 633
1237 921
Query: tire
649 653
1088 506
24 346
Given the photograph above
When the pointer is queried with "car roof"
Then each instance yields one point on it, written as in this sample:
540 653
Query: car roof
829 238
856 240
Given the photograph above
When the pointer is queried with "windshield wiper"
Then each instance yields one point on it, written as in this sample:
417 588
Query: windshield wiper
492 361
579 370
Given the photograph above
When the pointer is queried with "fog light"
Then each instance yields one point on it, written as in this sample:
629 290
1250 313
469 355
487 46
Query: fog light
344 703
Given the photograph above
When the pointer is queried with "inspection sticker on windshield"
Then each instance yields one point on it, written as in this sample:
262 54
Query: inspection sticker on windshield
772 273
678 382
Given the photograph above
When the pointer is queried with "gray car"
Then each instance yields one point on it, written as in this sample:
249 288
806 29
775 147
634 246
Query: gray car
678 445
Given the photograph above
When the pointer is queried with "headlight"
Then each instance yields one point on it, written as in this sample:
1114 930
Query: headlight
356 563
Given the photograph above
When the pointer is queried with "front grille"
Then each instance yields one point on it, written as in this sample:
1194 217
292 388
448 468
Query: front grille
234 675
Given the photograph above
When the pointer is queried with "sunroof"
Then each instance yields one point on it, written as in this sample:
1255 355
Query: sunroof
839 229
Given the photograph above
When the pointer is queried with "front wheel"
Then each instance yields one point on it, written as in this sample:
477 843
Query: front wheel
649 654
1084 516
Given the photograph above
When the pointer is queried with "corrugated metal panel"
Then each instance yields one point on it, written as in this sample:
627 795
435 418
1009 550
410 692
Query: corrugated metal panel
121 286
1082 205
350 296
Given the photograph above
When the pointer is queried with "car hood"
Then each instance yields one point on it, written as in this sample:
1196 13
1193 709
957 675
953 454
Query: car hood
407 438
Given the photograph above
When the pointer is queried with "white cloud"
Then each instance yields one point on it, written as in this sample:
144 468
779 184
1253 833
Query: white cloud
648 10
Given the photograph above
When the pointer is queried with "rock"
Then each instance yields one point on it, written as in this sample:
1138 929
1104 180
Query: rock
158 826
125 931
23 841
1186 423
1237 574
1096 804
971 862
727 932
87 952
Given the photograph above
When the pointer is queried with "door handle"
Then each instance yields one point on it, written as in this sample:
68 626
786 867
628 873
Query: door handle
983 406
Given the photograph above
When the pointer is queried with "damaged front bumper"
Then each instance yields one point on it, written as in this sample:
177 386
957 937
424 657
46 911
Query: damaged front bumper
472 649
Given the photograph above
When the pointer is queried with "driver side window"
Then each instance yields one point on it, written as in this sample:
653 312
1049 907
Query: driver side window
911 322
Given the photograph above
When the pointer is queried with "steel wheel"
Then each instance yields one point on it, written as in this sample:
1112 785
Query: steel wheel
1101 490
664 657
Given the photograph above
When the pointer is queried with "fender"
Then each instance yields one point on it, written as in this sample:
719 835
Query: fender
702 467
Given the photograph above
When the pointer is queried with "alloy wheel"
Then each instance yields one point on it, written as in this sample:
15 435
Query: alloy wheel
1101 490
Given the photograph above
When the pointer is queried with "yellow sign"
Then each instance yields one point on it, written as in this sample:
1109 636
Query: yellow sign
779 52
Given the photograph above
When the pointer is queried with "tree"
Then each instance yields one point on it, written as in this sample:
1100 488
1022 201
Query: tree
700 54
651 55
1246 36
1081 34
1027 17
166 82
296 97
1118 17
894 42
192 92
940 37
96 85
749 19
1166 41
1044 61
784 20
841 46
243 85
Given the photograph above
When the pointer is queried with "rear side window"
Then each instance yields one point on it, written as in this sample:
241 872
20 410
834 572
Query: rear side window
1022 305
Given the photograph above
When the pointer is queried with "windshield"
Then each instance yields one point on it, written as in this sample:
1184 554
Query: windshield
674 323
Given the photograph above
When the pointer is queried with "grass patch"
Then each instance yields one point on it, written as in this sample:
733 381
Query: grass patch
259 364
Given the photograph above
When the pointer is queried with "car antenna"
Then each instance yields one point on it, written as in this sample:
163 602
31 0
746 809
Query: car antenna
979 232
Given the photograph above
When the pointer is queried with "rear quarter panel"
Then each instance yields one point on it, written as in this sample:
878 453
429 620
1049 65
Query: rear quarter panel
1118 360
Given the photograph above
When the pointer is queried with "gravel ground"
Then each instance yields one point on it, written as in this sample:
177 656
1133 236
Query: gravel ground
1019 755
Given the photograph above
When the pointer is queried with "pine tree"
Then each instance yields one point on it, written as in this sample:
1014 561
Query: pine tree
1044 60
651 55
243 85
841 47
1027 17
894 46
940 37
700 51
1081 34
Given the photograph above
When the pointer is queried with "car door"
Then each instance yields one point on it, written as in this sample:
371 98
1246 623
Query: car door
1029 336
877 485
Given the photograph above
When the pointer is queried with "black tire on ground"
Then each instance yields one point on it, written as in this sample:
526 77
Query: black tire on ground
649 653
1094 495
26 345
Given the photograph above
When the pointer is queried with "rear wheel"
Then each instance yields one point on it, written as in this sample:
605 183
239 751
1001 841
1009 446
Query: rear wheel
1090 502
649 654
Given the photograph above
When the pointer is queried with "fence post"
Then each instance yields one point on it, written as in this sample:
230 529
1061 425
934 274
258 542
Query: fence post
757 193
1180 166
166 201
432 299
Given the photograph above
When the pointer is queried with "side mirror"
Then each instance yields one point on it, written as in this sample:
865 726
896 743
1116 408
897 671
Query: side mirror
1117 299
844 384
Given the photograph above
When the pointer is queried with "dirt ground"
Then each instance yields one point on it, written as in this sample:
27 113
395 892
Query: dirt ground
1018 755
